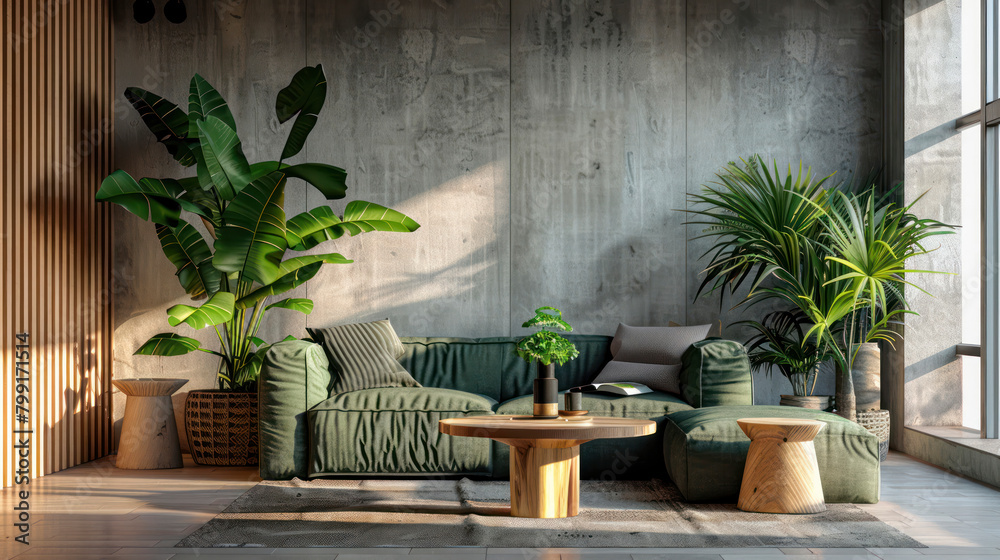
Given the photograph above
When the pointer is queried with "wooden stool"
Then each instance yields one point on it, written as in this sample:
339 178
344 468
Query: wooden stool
149 433
781 474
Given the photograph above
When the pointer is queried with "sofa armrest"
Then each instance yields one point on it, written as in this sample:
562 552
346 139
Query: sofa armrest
294 378
716 372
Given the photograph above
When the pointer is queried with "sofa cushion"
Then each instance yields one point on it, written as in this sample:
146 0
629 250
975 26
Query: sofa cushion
364 356
705 451
466 364
490 367
394 430
655 345
716 372
609 459
650 355
295 377
401 399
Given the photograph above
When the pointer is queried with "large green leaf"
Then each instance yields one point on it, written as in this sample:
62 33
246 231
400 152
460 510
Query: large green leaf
149 200
217 310
204 101
253 240
311 228
165 120
308 229
328 179
223 157
304 97
176 189
201 202
302 305
168 344
286 282
361 216
186 248
294 273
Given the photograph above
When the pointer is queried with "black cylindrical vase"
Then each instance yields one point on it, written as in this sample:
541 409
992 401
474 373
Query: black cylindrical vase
546 403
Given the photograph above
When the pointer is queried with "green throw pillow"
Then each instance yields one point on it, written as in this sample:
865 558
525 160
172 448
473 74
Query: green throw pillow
364 356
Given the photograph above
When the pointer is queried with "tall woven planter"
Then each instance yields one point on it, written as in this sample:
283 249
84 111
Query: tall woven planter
222 428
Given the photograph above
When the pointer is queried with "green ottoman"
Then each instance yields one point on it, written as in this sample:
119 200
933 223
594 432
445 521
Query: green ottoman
705 450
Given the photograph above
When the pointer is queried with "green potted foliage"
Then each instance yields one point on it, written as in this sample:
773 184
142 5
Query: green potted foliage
546 348
780 342
253 254
828 253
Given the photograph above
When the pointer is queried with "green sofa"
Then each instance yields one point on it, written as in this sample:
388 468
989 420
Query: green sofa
307 432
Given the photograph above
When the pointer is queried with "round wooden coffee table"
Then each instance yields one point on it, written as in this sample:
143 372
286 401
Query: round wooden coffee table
781 474
545 455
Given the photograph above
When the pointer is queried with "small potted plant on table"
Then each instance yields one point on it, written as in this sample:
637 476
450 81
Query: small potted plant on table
547 348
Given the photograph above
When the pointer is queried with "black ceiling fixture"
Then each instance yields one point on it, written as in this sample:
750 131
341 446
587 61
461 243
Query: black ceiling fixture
143 10
175 11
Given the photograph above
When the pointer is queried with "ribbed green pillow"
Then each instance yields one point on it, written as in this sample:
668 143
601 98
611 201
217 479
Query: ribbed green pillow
364 356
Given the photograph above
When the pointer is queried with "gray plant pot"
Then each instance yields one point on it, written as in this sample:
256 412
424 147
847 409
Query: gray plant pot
867 377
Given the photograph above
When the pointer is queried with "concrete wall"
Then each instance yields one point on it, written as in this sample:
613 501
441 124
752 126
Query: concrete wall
545 147
934 157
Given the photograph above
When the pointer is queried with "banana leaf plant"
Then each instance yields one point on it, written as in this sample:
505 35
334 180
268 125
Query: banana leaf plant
254 253
830 252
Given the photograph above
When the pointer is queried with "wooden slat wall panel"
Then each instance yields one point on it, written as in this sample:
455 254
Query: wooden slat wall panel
56 142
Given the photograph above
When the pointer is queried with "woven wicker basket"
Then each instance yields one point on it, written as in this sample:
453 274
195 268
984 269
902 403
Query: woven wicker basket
877 422
222 427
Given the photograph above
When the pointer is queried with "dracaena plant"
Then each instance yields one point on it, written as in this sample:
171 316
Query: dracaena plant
546 346
253 253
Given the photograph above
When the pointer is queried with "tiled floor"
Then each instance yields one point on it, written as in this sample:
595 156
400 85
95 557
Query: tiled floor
96 511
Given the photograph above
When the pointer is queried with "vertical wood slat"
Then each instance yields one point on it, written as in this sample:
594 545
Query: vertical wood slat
55 241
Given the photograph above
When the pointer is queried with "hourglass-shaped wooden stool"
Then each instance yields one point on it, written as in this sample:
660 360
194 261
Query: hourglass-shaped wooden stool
781 474
149 433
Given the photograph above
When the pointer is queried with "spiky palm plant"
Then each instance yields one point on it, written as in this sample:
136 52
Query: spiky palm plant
824 250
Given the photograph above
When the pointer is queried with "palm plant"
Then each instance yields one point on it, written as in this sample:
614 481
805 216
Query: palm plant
871 242
830 253
241 206
760 222
780 340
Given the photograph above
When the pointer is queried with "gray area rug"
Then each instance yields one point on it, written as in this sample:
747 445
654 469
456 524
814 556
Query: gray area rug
440 513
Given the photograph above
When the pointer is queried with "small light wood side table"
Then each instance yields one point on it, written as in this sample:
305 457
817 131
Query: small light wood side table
149 432
545 455
781 474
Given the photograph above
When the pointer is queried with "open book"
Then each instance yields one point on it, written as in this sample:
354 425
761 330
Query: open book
621 388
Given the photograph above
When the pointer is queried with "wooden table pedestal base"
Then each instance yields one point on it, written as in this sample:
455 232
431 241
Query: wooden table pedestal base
544 477
545 455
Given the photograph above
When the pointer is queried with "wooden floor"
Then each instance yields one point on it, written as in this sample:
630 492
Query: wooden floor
96 511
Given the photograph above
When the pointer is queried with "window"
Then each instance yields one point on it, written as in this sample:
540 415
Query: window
980 217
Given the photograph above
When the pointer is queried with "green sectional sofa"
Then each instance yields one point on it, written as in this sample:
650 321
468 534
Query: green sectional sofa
307 432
